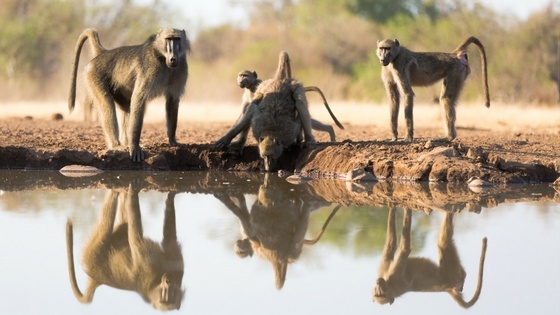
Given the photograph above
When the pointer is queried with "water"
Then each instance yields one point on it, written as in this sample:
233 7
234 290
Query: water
335 275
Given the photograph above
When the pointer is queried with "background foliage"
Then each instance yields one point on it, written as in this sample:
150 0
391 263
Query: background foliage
331 43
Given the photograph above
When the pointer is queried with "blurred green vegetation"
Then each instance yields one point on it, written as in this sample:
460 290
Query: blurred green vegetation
331 44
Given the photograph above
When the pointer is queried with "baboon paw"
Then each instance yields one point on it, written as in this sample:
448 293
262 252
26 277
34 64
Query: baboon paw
222 143
137 155
177 144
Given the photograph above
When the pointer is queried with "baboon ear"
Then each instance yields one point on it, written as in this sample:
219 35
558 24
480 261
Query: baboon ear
397 42
255 73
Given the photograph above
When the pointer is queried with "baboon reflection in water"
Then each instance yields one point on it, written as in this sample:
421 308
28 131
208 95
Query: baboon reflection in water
275 227
397 277
120 257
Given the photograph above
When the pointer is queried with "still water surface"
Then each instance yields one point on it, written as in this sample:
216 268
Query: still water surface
294 269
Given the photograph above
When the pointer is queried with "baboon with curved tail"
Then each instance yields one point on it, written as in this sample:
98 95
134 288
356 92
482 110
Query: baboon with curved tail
119 256
405 274
403 68
131 76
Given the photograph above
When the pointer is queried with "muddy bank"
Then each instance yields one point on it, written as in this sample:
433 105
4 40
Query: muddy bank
497 157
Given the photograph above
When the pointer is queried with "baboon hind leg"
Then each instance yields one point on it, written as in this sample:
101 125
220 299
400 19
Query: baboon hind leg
448 100
107 113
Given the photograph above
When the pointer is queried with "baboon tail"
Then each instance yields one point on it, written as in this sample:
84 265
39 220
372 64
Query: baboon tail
316 89
315 240
284 68
458 297
70 257
96 48
463 47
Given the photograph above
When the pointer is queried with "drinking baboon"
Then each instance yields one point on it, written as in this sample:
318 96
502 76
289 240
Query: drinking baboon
402 69
119 256
249 82
277 114
131 76
275 227
404 274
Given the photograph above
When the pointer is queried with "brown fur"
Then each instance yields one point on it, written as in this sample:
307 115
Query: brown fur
120 257
404 274
131 76
402 69
277 114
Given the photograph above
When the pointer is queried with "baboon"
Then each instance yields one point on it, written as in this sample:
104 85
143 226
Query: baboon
275 227
119 256
277 114
249 81
402 69
131 76
397 277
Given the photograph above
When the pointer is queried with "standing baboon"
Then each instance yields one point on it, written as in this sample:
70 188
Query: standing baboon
402 69
120 257
404 274
249 82
277 114
131 76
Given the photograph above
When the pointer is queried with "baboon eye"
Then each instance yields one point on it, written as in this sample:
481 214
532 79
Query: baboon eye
261 139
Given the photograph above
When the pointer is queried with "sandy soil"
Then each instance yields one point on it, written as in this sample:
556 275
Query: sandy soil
503 144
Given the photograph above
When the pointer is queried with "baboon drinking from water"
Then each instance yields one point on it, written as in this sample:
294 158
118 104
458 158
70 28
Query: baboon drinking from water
277 114
402 69
131 76
404 274
119 256
249 82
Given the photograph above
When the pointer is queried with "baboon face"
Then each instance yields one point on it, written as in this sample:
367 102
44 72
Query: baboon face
246 79
167 295
270 149
173 44
382 292
387 51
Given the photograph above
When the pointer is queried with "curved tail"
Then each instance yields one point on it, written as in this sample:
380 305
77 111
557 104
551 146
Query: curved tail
96 48
71 269
463 47
459 297
315 240
316 89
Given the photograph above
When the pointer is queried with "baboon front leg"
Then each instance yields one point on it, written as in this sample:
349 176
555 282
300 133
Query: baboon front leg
394 97
244 122
169 225
137 109
390 244
172 112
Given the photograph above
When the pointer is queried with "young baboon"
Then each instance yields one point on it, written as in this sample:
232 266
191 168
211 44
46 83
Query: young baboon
404 274
120 257
249 81
131 76
277 114
402 69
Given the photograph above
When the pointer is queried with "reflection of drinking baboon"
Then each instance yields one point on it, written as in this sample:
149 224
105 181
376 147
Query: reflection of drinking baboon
402 69
120 257
275 227
249 82
131 76
397 277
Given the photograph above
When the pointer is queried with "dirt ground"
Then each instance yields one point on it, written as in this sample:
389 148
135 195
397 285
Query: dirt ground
511 152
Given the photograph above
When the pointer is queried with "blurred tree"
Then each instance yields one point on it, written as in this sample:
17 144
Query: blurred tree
384 10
